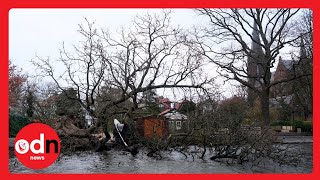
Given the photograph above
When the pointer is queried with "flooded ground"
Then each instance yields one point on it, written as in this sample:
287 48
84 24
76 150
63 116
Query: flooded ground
115 161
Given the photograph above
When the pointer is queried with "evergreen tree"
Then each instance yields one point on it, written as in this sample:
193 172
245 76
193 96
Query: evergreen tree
30 102
67 103
187 107
149 99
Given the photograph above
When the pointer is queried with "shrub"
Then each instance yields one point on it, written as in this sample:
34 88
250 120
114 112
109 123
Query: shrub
281 123
16 123
306 126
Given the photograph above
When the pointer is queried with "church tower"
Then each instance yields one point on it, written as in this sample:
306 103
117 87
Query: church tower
254 68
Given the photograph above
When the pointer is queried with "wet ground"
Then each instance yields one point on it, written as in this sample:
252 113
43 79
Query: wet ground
115 161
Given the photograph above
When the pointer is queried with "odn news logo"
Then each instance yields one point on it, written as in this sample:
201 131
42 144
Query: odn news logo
37 146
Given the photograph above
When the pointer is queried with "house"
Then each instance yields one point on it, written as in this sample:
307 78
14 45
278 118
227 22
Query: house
154 126
276 102
169 121
284 70
290 84
178 123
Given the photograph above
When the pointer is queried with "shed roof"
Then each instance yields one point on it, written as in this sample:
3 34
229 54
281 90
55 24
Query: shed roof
175 115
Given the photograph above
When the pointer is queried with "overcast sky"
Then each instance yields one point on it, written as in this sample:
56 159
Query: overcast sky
41 31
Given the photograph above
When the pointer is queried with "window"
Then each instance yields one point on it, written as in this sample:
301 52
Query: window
178 125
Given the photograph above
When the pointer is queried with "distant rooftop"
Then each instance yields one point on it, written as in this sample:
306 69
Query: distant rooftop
288 64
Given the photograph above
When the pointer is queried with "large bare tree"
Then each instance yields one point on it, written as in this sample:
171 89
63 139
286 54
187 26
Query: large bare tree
268 30
303 86
150 54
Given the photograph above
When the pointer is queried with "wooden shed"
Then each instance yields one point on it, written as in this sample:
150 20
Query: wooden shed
152 126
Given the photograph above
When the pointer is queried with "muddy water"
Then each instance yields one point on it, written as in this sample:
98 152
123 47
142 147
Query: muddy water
115 161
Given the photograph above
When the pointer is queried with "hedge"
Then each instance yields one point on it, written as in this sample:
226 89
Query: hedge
16 123
281 123
306 126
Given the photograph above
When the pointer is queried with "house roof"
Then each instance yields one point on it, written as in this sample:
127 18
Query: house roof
175 115
276 101
164 100
288 64
178 105
165 112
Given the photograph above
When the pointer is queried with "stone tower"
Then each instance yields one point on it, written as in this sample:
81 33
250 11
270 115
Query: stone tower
254 68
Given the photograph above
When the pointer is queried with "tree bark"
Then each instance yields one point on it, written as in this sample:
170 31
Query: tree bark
264 99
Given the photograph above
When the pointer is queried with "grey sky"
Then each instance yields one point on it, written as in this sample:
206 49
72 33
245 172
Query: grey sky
42 31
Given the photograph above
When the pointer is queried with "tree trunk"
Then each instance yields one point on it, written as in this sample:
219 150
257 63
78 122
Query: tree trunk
265 107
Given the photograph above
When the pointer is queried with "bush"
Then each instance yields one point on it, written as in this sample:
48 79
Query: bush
281 123
16 123
299 124
306 126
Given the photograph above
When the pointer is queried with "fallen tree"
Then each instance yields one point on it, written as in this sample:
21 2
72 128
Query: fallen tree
74 138
67 128
124 66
